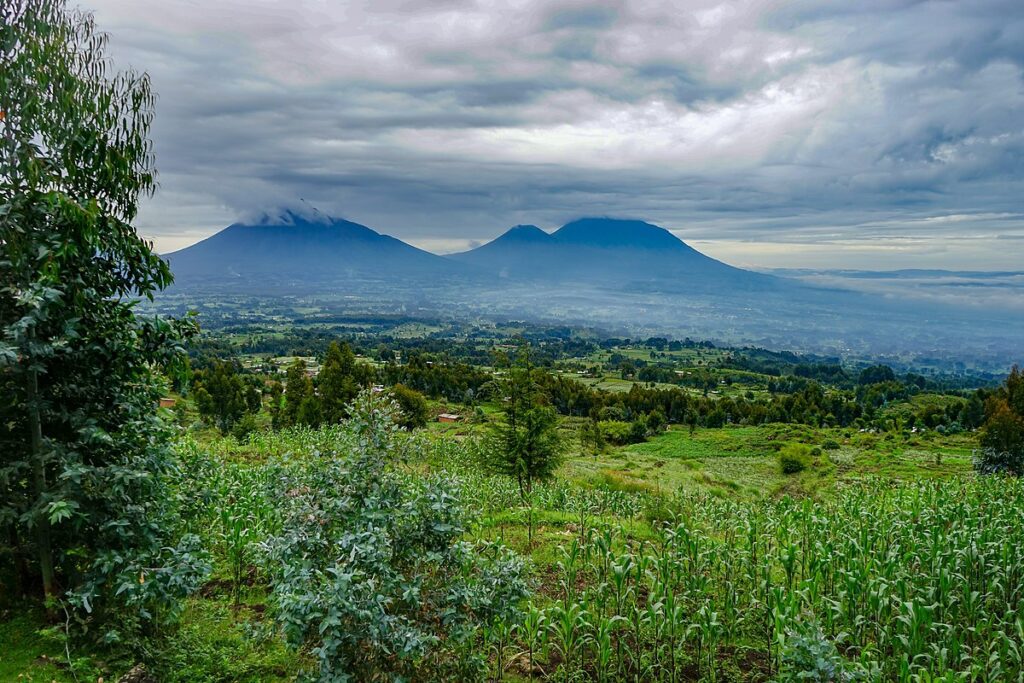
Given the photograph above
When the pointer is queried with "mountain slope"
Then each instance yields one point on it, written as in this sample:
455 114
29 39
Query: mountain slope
605 251
302 248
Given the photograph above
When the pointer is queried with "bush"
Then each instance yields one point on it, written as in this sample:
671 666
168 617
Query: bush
369 572
413 406
830 445
794 458
808 655
245 426
616 432
994 461
660 509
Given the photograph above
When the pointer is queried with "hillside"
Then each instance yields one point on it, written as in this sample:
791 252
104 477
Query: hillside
606 251
305 249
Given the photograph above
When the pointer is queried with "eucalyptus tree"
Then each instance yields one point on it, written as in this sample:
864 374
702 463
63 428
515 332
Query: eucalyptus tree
84 455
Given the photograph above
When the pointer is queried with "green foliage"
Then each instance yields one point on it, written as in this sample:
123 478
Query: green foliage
413 410
275 404
622 433
336 382
310 411
526 445
214 645
369 571
246 425
84 457
592 439
617 432
301 405
1002 436
876 374
794 458
808 655
222 397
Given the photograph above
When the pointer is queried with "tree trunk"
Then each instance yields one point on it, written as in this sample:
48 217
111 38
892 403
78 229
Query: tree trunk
42 523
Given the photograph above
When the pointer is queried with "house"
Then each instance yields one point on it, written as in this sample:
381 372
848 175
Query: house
167 402
449 417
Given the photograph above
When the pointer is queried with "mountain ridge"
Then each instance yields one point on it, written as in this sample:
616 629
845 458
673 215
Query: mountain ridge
309 249
290 246
608 250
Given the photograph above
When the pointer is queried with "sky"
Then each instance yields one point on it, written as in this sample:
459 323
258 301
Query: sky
875 134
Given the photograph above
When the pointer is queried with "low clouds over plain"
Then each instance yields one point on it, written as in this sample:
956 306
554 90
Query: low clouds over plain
869 134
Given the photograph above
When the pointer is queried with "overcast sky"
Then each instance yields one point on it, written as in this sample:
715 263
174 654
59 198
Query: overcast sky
867 133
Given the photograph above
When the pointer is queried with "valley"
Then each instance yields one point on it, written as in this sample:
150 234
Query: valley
630 278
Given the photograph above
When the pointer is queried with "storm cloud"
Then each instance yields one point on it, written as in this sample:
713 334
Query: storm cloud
882 133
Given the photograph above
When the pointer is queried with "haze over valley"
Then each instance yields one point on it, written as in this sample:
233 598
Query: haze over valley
627 276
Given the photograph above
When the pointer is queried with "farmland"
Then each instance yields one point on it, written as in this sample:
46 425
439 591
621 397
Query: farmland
685 553
683 558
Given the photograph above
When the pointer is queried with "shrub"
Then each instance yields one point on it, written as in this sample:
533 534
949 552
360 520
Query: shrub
246 425
368 571
413 406
994 461
830 445
660 509
615 432
794 458
808 655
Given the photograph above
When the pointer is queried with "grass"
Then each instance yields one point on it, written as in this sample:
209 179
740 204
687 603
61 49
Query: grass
218 643
740 462
215 643
30 652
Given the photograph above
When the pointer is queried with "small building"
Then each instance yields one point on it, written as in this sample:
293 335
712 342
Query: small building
167 402
449 417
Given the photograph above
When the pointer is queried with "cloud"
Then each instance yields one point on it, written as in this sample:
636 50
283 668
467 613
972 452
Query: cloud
740 124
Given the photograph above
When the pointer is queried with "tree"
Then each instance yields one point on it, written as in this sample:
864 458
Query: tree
527 444
223 397
627 369
336 383
84 454
972 414
1002 435
656 422
592 438
310 412
876 374
300 402
276 404
413 407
